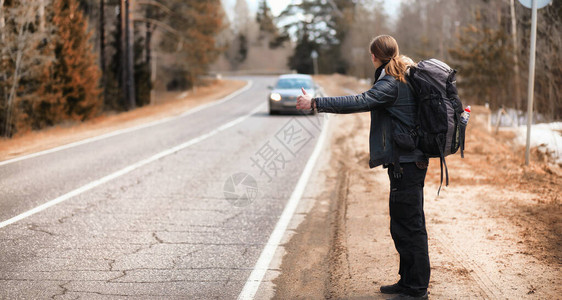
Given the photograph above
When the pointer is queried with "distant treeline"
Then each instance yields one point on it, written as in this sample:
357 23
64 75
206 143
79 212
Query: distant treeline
69 60
486 40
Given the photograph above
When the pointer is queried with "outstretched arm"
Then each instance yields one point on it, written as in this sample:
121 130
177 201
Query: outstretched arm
382 94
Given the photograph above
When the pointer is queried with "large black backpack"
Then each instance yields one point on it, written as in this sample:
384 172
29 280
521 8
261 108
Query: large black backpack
441 132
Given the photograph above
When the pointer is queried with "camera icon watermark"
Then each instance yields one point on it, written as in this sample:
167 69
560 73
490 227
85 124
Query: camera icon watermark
240 189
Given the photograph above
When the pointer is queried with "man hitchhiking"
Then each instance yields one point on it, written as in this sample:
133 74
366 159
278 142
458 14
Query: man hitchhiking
392 143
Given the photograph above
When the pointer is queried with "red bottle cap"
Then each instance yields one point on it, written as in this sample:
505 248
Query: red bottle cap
467 109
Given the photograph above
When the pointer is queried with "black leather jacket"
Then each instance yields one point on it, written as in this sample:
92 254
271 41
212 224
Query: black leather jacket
393 119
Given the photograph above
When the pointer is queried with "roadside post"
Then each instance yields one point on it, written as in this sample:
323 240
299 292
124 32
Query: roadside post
314 56
533 5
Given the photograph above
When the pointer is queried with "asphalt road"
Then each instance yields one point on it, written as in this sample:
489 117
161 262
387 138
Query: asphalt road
188 223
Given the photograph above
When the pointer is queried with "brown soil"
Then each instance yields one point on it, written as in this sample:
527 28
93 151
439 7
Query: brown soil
167 104
494 232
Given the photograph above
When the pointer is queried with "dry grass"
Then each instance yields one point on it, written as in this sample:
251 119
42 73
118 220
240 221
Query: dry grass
500 160
167 104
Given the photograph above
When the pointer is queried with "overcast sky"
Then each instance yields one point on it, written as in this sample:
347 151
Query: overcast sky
277 6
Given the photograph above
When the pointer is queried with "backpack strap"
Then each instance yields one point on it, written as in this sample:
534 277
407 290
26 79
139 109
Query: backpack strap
442 163
462 137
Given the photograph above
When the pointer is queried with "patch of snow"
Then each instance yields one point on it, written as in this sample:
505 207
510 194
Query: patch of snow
544 135
516 118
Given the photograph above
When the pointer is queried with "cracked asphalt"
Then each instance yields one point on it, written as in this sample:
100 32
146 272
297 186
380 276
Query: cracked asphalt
164 230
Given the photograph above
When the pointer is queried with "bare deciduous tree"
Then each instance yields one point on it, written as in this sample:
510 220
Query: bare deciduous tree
19 56
2 21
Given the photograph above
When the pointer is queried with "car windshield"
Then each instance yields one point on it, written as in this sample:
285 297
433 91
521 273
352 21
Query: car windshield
293 83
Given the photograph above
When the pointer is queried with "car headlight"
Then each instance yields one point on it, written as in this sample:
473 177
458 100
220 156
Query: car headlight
275 96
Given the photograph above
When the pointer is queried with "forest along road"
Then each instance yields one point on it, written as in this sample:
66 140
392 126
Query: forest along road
155 212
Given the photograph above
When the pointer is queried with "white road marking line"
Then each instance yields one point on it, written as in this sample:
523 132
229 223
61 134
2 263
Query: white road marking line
262 265
128 169
130 129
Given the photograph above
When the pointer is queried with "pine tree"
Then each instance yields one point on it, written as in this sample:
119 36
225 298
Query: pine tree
48 109
264 18
323 26
74 74
268 29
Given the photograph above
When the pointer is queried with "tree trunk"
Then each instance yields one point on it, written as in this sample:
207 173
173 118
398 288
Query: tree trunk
124 54
20 44
41 15
12 95
102 49
148 36
2 21
2 25
130 61
148 52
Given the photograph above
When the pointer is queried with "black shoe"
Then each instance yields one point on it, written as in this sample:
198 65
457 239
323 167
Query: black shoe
409 297
392 289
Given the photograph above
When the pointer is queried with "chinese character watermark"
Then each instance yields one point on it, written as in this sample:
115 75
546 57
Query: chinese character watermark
294 136
270 159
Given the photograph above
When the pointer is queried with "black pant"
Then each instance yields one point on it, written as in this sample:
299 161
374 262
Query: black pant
407 226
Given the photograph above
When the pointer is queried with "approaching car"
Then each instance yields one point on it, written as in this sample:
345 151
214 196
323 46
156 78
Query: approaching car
283 96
